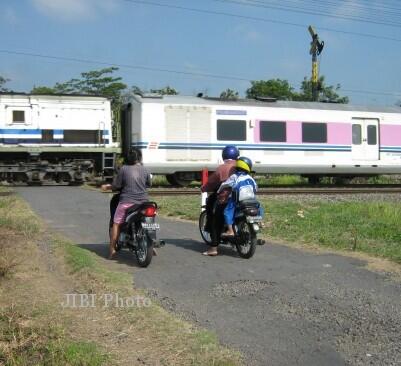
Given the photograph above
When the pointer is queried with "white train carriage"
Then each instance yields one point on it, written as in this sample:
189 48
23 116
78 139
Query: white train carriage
60 138
179 136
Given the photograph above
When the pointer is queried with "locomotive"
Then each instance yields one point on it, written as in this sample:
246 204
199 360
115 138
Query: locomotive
55 138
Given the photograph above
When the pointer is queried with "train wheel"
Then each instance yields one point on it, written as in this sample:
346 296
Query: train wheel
176 181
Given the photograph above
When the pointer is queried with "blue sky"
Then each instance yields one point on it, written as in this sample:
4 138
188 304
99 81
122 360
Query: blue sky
245 47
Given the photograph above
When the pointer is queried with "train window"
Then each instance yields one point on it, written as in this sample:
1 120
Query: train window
372 136
356 135
314 132
273 131
18 116
231 130
83 136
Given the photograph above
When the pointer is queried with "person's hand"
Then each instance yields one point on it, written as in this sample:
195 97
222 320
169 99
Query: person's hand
105 187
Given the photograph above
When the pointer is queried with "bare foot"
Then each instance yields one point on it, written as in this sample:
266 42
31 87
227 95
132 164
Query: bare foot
112 254
211 252
228 233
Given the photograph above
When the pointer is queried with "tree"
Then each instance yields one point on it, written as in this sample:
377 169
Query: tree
229 94
326 93
167 90
96 82
43 90
2 82
275 88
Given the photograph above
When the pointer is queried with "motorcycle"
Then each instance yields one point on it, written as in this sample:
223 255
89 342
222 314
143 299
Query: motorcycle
247 223
138 232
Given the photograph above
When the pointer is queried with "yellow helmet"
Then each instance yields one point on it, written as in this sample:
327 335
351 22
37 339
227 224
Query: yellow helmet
244 164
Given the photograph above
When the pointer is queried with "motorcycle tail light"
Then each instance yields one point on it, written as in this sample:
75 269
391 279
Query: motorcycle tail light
149 211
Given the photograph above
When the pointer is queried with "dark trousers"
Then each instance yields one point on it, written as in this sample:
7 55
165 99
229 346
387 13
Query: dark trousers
215 218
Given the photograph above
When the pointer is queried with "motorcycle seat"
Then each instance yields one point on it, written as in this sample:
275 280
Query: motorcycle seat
136 208
248 204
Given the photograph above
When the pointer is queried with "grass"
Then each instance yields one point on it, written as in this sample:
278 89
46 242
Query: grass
22 343
370 226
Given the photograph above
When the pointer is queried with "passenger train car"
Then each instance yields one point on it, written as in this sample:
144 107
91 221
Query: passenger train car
179 136
54 138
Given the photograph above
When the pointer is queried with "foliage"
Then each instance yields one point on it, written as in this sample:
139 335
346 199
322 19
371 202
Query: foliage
275 88
229 94
282 90
2 82
96 82
167 90
43 90
325 93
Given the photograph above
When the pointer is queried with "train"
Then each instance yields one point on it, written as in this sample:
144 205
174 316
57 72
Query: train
182 135
72 138
58 139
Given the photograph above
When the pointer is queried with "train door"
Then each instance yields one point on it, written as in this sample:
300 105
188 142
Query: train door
365 139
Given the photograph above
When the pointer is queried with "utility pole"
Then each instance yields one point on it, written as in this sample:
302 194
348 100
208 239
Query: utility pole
315 50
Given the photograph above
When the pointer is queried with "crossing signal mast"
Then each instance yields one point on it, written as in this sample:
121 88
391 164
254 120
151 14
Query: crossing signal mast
315 50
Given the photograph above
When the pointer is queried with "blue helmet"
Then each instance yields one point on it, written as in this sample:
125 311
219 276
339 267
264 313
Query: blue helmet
230 152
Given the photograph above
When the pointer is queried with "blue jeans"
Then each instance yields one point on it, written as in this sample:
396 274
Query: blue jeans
229 211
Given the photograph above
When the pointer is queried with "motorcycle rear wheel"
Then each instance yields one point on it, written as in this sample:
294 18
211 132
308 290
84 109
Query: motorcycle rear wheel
202 224
144 250
247 240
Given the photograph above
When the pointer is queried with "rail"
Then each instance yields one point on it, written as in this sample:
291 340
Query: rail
288 190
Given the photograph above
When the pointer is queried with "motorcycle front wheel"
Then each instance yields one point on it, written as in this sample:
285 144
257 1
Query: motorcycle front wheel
247 240
202 228
144 250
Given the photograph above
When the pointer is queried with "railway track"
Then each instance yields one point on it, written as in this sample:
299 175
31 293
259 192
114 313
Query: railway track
386 189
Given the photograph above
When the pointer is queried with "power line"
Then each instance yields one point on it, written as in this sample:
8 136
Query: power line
265 20
179 72
303 10
138 67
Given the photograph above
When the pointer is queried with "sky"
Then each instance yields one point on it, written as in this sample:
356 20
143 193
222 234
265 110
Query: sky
204 45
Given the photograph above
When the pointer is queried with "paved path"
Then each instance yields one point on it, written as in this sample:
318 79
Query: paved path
282 307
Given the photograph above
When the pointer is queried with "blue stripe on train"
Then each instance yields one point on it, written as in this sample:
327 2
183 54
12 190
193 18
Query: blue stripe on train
26 131
15 141
217 146
31 131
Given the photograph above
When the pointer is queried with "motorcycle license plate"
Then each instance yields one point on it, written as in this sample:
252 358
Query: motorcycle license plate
252 219
151 226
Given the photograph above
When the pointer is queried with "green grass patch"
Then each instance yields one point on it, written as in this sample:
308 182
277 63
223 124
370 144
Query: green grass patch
78 258
371 226
280 179
23 342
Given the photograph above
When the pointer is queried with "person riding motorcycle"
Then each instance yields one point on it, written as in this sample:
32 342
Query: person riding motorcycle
131 181
242 186
214 210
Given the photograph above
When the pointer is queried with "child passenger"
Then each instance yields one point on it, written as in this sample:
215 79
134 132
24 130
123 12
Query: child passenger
243 187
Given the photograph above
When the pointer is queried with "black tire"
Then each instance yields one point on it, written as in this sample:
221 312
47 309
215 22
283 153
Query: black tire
202 223
144 251
176 181
247 240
